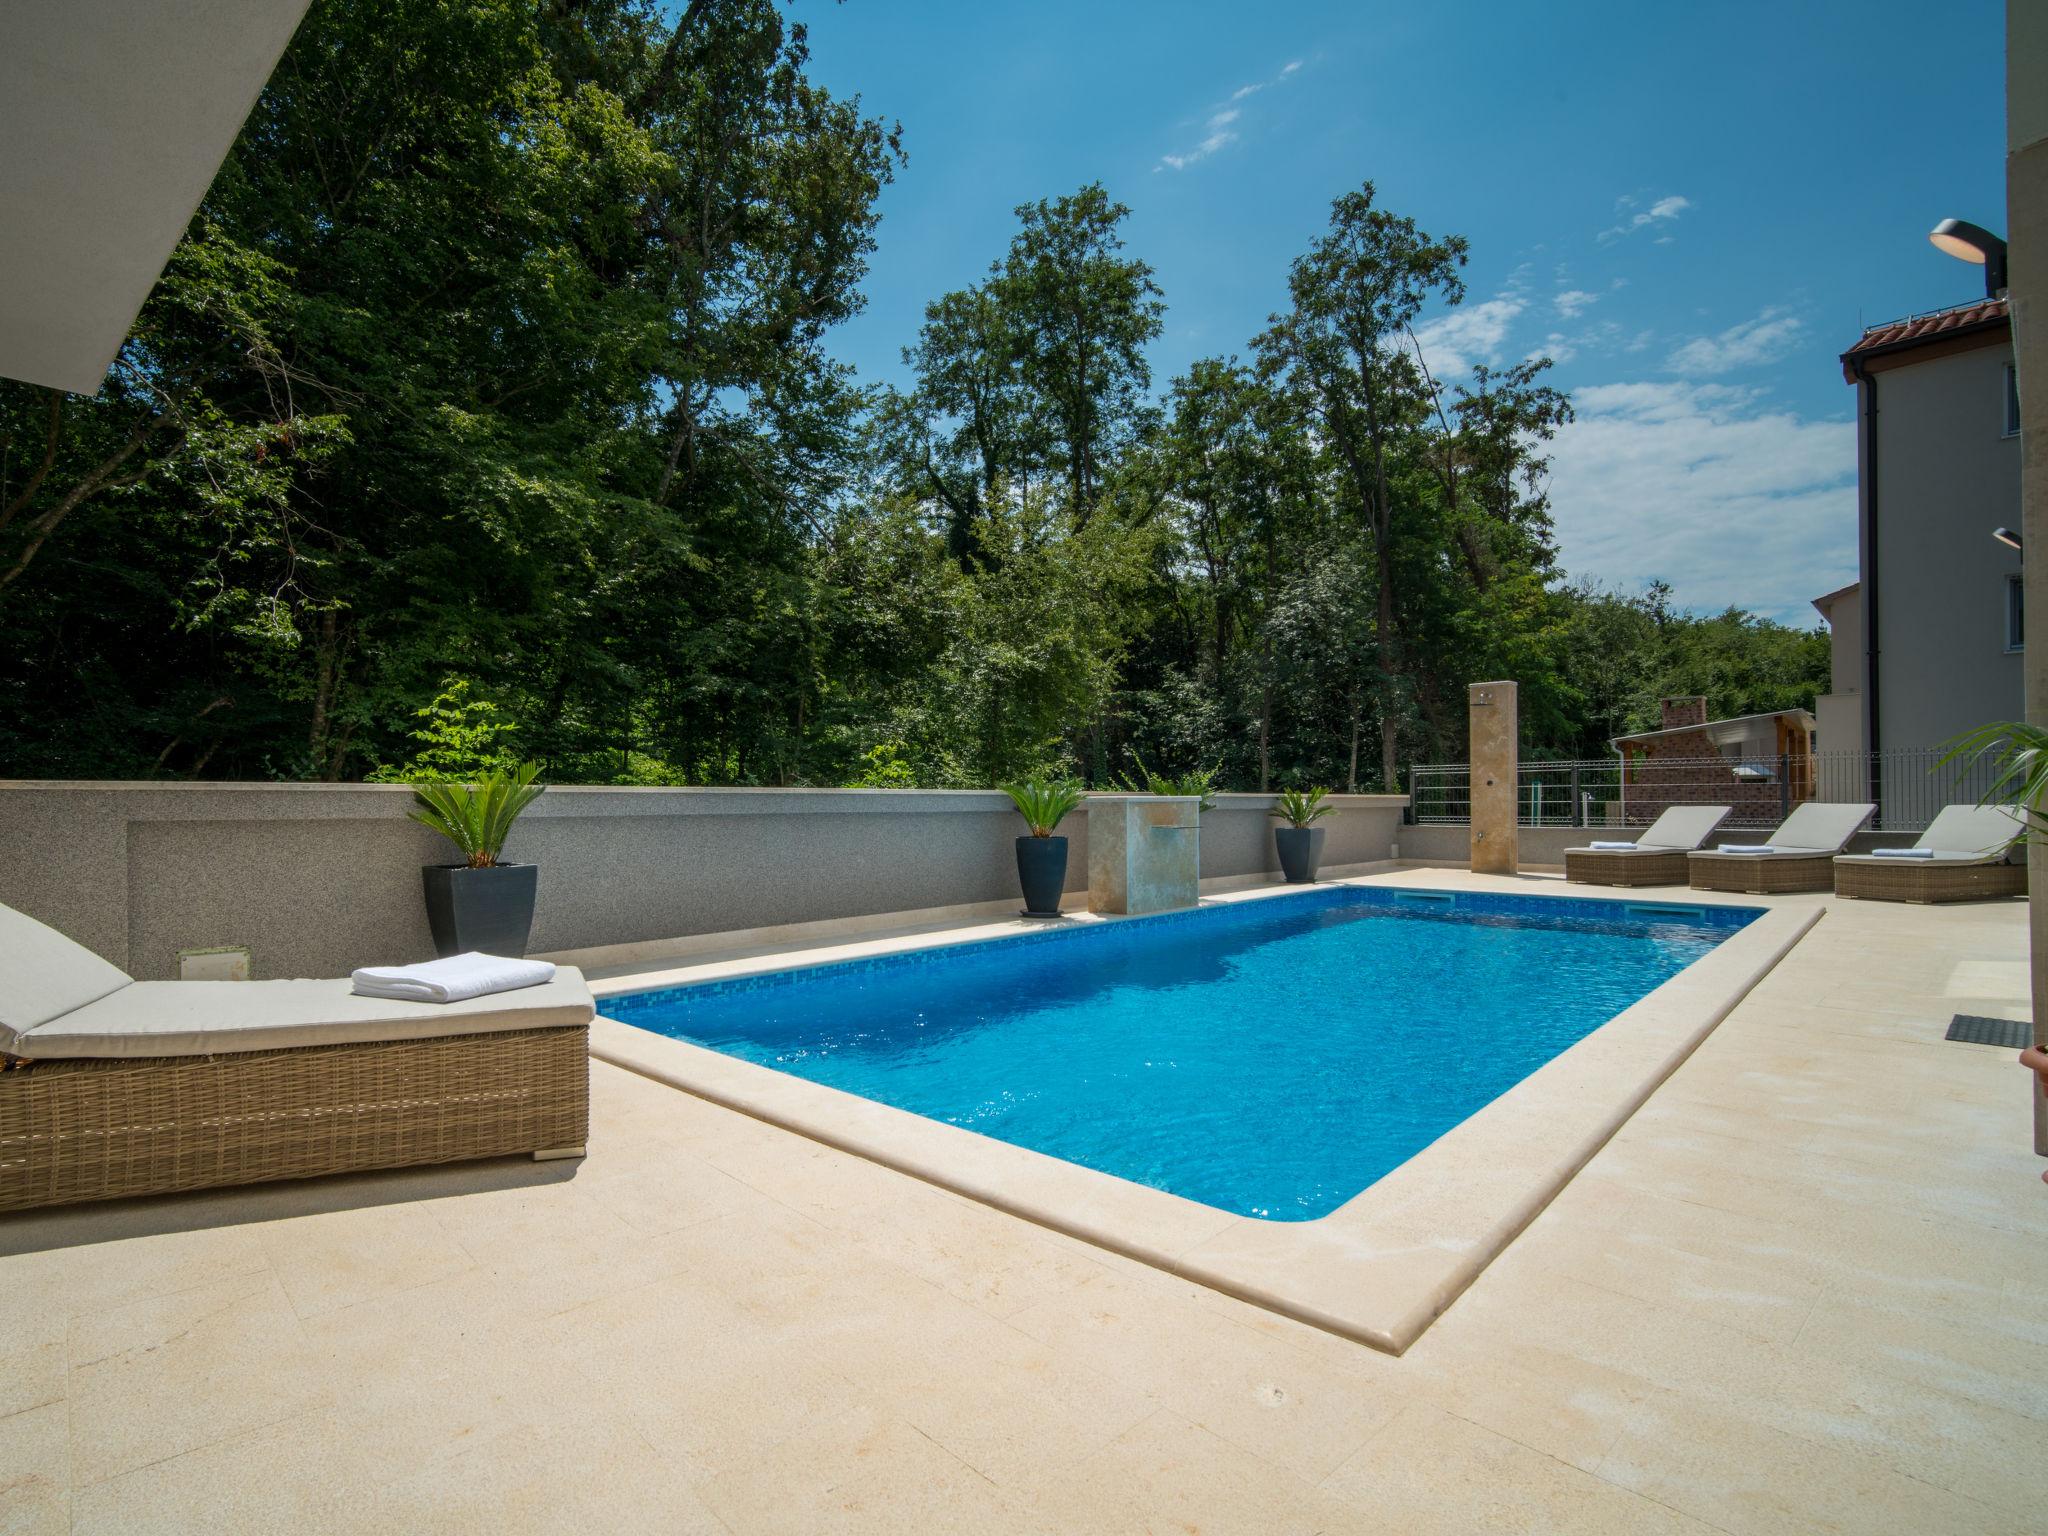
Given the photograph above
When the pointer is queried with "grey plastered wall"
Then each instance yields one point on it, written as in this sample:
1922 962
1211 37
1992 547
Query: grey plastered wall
1947 475
318 879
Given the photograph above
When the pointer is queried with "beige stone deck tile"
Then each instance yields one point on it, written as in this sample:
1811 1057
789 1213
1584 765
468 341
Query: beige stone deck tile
864 1472
63 1266
1431 1470
1807 1187
1976 1363
33 1361
35 1470
287 1476
341 1258
1294 1410
1751 1298
1548 1400
677 1191
568 1475
1169 1477
971 1252
697 1374
169 1374
1751 1480
1906 1426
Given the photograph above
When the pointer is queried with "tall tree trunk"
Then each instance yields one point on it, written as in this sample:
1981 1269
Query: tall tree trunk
1351 774
1266 727
327 647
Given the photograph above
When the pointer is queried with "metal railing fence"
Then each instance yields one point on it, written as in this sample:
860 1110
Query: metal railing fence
1908 786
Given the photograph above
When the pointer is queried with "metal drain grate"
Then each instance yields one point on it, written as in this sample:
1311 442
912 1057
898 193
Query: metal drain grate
1975 1029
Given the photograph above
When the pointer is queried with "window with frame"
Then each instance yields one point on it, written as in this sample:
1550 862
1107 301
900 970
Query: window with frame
2015 612
2012 400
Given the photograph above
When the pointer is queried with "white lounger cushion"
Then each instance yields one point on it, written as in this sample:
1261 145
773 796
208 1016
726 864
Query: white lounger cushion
1816 829
1959 834
204 1018
1680 828
43 975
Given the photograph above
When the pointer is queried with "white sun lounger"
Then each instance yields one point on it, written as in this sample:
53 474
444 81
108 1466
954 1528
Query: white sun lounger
120 1087
1656 857
1798 856
1964 855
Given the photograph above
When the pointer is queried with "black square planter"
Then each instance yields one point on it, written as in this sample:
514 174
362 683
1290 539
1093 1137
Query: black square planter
489 910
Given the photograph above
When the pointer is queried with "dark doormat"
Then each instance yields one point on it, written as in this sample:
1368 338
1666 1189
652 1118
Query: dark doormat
1975 1029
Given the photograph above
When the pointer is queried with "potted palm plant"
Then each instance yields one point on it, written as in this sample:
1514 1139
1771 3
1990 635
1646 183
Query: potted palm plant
479 904
1042 857
1301 841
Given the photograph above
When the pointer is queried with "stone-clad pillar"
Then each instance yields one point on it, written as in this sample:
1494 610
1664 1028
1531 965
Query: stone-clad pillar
1496 765
1144 853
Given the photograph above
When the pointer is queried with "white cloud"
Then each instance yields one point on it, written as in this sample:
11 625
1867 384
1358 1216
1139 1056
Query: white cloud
1709 487
1217 129
1663 211
1259 85
1473 333
1769 336
1220 133
1574 302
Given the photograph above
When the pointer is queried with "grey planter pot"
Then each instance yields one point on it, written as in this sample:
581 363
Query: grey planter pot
1301 850
1042 871
490 910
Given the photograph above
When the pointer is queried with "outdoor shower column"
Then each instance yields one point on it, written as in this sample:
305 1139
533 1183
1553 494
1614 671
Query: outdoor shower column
1496 770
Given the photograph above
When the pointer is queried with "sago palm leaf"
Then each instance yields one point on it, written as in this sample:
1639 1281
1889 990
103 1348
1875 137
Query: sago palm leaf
477 818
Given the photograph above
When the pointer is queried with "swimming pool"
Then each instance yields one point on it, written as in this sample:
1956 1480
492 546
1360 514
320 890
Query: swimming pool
1270 1059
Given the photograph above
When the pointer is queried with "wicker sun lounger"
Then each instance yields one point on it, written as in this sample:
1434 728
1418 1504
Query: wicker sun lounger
1968 859
116 1087
1801 854
1658 856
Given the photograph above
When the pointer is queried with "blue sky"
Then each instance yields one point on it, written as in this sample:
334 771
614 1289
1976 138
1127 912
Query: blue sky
1694 208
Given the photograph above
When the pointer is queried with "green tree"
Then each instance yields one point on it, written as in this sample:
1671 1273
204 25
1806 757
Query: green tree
1352 297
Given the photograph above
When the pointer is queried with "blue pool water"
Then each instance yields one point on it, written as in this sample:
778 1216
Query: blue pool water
1271 1058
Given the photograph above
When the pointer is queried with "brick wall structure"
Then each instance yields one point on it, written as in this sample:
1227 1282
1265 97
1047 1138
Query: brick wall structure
1681 765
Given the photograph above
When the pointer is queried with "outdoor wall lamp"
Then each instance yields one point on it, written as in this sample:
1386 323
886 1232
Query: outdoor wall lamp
1972 242
2007 536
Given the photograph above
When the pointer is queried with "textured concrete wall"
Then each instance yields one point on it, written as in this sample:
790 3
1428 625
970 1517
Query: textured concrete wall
318 879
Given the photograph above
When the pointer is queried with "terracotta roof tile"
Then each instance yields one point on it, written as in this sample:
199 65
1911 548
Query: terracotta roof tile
1914 330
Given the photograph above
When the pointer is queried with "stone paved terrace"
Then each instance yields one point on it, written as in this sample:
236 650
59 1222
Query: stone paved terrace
1804 1289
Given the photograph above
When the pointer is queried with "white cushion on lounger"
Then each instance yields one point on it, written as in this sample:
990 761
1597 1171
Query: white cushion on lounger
1680 827
1959 834
204 1018
43 974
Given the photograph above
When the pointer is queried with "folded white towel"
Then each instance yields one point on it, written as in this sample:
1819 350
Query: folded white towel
1747 848
1903 853
1599 847
452 980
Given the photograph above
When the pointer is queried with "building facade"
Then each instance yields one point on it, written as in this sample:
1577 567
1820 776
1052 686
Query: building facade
1928 641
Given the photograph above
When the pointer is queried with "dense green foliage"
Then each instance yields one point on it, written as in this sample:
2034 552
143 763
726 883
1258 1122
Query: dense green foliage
491 388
